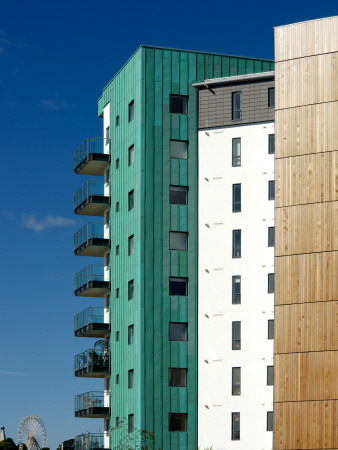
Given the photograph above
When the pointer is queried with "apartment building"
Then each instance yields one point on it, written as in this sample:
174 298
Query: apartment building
145 330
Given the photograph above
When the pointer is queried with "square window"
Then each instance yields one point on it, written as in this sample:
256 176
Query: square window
131 200
271 236
236 290
130 334
178 104
271 283
178 195
107 135
178 149
131 155
117 293
271 329
271 144
236 335
178 422
130 423
117 163
271 97
271 190
236 381
236 198
236 152
117 121
178 331
270 371
178 377
178 286
235 426
131 111
130 289
236 243
131 245
237 105
178 240
130 379
269 421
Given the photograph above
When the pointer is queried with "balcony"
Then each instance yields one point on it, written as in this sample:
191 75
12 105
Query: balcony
91 404
91 282
90 323
90 240
93 363
90 441
90 158
91 199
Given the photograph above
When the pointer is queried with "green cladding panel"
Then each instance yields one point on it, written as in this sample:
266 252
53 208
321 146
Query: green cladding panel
148 78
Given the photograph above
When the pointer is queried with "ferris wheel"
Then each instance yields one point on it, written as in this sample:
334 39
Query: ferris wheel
32 433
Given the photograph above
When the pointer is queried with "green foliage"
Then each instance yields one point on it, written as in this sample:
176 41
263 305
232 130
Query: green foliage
138 439
67 445
8 444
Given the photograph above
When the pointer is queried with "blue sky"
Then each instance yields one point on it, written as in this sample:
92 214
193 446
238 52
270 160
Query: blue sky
55 59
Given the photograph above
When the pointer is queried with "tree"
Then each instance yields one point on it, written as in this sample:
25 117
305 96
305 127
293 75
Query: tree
67 445
138 439
8 444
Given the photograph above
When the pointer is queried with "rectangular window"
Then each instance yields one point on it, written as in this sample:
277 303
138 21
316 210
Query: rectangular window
269 421
271 144
178 421
107 259
271 97
271 236
271 283
131 245
236 290
117 293
117 163
130 334
235 426
269 380
178 240
236 381
131 200
117 421
236 243
117 250
236 197
117 379
237 105
236 335
178 377
271 190
117 336
117 207
130 379
107 135
107 217
130 423
178 104
178 149
178 286
131 155
178 195
236 152
131 111
130 289
117 121
271 329
107 176
178 331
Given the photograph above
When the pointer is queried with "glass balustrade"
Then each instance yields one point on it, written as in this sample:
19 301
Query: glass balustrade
88 400
87 317
91 146
88 232
89 274
88 190
89 441
90 360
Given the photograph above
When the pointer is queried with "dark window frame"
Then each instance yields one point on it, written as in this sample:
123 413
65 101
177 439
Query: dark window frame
271 283
181 280
174 104
171 376
271 97
270 375
131 111
131 289
131 334
237 204
172 332
271 236
236 98
236 430
181 193
269 421
271 195
271 144
271 329
172 150
236 336
171 244
236 295
236 247
236 385
236 159
173 417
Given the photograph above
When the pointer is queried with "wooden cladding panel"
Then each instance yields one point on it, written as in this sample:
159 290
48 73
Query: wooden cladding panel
306 425
306 179
306 228
306 376
306 129
306 39
307 81
305 327
306 278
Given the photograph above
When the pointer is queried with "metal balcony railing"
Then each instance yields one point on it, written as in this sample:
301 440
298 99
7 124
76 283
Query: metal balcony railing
92 145
90 231
88 274
88 316
89 441
88 400
89 189
91 359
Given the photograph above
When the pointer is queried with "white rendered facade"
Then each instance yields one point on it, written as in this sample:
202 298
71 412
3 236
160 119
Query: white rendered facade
216 267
